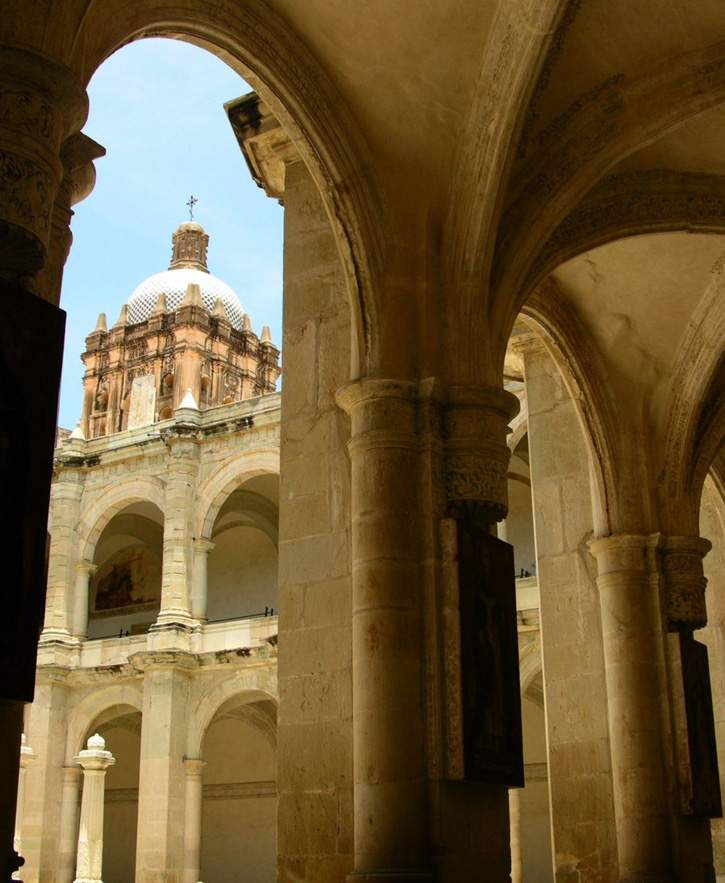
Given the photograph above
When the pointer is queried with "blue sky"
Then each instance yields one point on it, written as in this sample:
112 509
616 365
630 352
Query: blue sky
156 106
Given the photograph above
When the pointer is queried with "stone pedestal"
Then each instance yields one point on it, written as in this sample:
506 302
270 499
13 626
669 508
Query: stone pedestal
95 760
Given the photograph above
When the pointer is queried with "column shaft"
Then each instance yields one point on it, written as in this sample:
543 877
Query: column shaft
192 826
69 819
634 659
388 696
179 531
202 548
84 572
64 520
515 822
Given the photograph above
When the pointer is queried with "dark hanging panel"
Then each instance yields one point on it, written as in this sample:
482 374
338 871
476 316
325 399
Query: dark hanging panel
31 350
493 740
706 799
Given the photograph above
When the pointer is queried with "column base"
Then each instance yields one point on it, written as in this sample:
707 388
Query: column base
390 877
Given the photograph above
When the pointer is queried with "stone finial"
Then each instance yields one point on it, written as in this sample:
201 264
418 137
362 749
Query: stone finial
192 298
219 311
78 432
101 324
188 401
123 317
160 307
266 335
247 323
96 743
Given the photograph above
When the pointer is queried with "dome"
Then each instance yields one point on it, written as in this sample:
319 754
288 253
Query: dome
174 283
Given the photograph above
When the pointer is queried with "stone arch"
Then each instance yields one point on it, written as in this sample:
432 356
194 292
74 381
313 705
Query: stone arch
260 46
98 513
225 480
253 686
530 663
696 419
568 343
97 707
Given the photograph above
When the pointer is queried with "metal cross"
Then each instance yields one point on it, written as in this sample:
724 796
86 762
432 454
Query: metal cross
191 203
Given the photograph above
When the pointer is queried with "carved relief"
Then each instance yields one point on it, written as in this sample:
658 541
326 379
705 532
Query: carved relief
25 190
27 112
684 582
137 348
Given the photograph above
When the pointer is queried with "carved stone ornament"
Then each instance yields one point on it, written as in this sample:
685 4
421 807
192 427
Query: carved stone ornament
477 456
684 582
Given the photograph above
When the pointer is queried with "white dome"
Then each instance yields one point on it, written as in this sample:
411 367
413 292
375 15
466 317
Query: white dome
174 283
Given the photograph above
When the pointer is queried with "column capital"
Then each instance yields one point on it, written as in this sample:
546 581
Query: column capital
204 546
41 105
475 426
684 581
27 755
194 766
86 568
620 552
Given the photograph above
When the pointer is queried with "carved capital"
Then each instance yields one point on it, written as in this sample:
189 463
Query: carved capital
475 426
684 581
41 105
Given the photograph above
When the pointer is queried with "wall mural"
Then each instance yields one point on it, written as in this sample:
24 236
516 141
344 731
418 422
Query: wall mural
128 580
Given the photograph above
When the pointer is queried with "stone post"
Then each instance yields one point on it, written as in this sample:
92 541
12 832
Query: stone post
202 548
192 827
84 572
183 469
27 756
390 832
69 808
635 678
515 823
95 760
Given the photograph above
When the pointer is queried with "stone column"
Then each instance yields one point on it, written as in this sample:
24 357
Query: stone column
515 823
183 469
69 808
84 572
202 548
636 679
192 827
27 756
43 106
95 760
390 831
162 775
63 528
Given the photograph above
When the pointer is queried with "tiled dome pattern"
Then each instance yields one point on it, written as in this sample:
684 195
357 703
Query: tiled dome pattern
174 283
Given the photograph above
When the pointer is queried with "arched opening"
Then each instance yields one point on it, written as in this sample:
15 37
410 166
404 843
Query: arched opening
239 805
242 566
125 590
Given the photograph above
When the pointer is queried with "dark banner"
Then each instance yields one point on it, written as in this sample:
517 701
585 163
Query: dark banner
493 740
31 349
706 799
